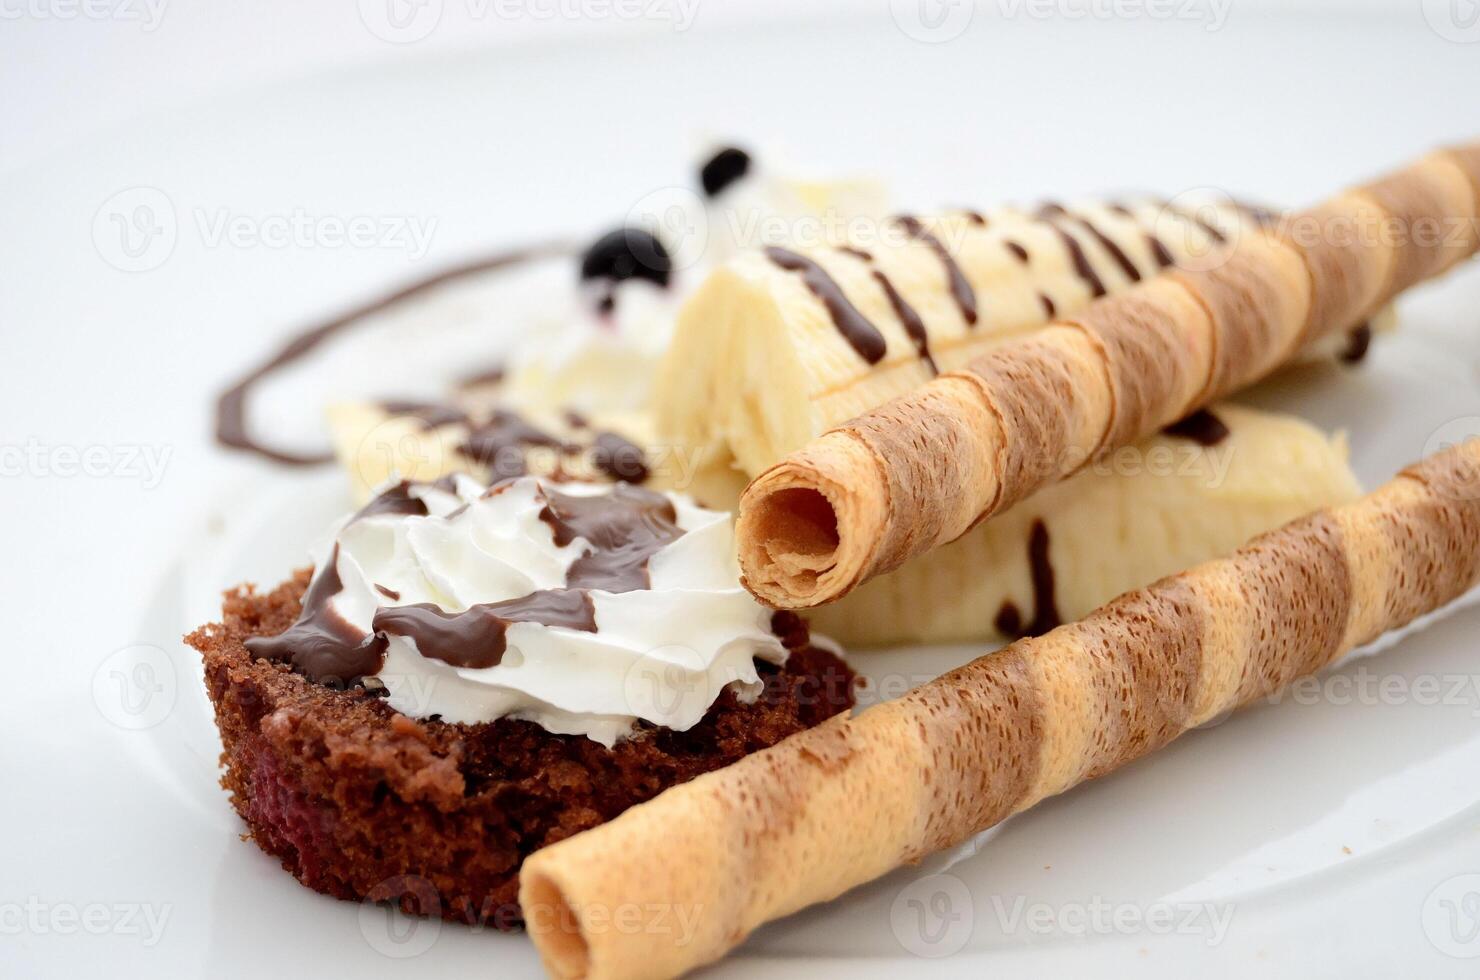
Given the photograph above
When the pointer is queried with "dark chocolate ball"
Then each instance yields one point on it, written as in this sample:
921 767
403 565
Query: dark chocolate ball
723 169
627 253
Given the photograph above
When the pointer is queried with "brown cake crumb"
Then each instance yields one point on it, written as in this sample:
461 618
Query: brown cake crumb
357 799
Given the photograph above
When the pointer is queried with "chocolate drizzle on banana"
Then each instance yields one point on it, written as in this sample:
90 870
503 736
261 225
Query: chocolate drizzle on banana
961 290
1053 211
1080 260
1202 427
1357 343
910 320
1009 621
856 328
1066 224
501 440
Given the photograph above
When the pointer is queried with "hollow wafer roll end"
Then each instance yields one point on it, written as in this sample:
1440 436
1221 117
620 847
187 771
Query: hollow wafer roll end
824 519
827 503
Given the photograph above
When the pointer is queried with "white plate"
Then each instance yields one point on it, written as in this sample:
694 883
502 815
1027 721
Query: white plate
1259 837
1339 830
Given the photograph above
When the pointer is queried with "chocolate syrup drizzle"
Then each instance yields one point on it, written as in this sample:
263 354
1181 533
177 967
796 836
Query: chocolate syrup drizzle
499 443
913 325
1202 427
1213 231
432 415
619 458
624 529
323 645
1082 267
961 290
397 500
1052 211
856 328
231 406
1357 343
477 637
1009 621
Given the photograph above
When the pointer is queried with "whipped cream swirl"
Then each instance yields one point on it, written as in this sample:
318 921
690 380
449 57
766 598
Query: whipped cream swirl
611 604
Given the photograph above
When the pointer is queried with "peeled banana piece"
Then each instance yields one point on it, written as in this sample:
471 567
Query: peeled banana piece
779 345
1126 521
377 443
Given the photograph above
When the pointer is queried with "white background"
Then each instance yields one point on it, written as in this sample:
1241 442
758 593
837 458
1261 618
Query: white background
500 128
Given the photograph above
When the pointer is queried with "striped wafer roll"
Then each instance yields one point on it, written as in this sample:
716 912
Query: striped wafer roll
924 468
838 805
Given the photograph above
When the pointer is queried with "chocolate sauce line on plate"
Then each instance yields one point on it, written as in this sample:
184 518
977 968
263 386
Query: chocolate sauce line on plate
856 328
1009 620
1202 427
1051 210
961 290
231 407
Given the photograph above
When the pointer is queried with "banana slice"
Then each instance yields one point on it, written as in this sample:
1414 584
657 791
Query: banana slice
1131 518
779 345
379 443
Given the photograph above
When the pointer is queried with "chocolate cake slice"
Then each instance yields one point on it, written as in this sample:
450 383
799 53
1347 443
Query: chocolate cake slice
360 800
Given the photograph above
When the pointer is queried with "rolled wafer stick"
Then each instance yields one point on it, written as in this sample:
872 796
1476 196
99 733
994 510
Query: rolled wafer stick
691 873
926 467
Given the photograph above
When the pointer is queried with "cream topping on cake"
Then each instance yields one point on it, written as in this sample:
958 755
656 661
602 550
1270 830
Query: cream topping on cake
584 608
